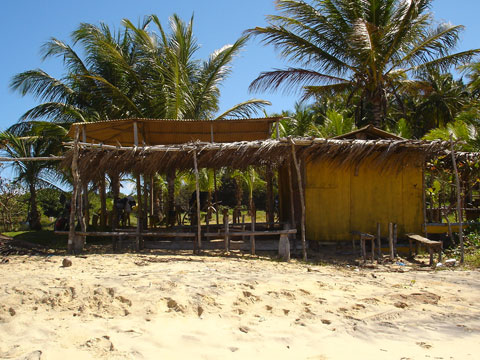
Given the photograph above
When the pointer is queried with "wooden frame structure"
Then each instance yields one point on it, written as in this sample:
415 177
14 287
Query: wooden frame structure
89 161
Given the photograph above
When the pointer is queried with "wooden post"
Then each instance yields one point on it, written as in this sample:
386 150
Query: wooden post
145 202
270 200
197 190
459 207
424 199
73 202
139 212
302 200
363 247
85 187
139 194
252 237
152 200
226 236
390 240
215 194
277 130
379 241
293 223
395 240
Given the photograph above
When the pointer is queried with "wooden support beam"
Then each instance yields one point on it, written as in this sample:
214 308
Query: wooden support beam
379 241
390 241
395 239
459 197
252 236
293 222
197 190
302 200
139 212
227 232
73 203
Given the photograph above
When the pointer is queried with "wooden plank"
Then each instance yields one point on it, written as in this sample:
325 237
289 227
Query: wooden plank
247 232
127 233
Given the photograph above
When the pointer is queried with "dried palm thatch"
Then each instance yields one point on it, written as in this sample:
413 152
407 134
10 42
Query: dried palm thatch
96 160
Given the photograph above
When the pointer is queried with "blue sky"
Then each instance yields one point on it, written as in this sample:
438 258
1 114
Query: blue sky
27 24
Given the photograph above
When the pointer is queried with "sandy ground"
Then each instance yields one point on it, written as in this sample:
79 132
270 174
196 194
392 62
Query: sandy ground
133 306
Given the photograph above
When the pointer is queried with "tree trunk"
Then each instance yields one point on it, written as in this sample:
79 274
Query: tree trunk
34 218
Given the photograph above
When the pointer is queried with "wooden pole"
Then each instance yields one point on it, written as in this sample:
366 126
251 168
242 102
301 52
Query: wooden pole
459 207
215 194
139 194
390 240
395 240
270 200
85 187
226 236
252 237
302 200
73 202
145 202
293 223
379 241
197 190
277 130
152 195
424 199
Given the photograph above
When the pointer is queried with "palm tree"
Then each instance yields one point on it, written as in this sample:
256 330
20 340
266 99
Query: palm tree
364 47
134 72
39 140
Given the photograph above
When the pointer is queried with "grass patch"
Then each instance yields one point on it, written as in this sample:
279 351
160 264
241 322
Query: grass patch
472 259
44 238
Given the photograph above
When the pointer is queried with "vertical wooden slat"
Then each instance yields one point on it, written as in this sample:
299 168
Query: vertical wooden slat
395 239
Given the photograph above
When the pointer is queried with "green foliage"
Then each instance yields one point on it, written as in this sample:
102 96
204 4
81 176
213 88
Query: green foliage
366 48
49 201
138 71
336 124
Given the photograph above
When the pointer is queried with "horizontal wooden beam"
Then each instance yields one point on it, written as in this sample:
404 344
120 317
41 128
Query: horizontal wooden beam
45 158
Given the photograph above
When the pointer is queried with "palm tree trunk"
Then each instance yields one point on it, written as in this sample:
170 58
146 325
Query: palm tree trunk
34 215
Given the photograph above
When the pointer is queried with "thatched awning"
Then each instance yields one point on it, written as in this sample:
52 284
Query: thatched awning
96 160
167 132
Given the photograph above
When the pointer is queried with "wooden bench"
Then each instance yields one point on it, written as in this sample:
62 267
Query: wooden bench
429 244
364 237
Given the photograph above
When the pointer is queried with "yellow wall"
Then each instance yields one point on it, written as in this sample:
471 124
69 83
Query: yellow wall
340 200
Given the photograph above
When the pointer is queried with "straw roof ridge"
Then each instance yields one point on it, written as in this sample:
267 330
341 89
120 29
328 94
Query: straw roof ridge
95 160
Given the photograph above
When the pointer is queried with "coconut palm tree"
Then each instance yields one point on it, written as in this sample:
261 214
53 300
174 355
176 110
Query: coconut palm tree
40 140
135 72
363 47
